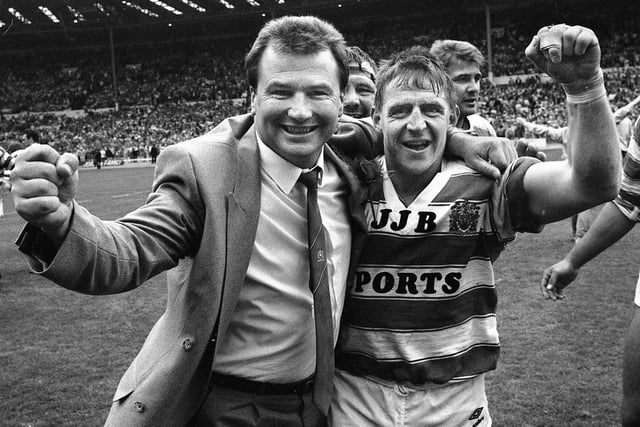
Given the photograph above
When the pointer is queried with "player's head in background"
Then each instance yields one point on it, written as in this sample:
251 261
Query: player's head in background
463 62
360 92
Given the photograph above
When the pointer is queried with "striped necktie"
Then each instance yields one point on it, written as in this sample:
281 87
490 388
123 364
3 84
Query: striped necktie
319 285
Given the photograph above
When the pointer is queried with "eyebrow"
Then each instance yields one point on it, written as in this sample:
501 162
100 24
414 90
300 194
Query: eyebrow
275 84
402 105
466 75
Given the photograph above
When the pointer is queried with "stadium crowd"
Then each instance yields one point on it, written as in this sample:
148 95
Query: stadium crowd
163 98
168 92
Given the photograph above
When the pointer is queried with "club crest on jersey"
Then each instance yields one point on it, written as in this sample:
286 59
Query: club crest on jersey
320 256
463 217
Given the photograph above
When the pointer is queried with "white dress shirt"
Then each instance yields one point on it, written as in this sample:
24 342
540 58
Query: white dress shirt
271 337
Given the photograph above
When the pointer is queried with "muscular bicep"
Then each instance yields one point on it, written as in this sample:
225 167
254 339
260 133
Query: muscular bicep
553 193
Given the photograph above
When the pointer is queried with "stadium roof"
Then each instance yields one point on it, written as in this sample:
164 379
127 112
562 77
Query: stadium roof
28 25
41 15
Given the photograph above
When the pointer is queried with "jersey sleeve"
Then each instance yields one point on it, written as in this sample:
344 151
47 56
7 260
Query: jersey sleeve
510 208
628 200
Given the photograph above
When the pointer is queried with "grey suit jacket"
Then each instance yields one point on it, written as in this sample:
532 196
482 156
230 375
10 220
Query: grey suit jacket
200 222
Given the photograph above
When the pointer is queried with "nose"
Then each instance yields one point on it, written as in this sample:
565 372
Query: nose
351 99
416 123
473 86
300 109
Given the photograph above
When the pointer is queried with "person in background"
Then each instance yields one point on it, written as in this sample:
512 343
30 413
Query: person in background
97 158
154 154
361 87
613 222
463 62
7 160
554 135
355 123
624 125
419 329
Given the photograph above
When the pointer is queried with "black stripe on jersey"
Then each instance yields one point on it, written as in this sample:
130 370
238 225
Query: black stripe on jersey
479 359
434 249
421 315
631 167
630 197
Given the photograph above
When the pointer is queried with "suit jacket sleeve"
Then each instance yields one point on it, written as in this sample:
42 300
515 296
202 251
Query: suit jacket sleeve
106 257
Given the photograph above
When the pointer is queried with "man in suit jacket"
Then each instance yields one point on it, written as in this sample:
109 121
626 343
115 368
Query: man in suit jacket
227 218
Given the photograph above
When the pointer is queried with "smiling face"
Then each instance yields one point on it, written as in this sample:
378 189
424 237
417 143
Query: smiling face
359 94
414 125
466 77
297 103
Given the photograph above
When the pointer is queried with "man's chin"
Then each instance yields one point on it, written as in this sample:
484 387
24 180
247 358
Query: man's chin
469 110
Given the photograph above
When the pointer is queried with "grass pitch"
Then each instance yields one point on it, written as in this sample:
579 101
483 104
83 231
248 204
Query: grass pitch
62 353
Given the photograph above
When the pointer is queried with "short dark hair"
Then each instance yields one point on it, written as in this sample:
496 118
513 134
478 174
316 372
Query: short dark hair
448 50
415 67
301 35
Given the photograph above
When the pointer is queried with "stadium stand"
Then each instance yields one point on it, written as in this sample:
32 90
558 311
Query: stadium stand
174 87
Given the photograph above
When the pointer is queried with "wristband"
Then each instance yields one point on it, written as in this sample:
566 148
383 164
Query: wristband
585 91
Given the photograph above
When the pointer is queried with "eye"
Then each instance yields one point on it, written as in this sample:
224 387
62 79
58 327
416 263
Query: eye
399 112
432 110
319 93
280 93
365 90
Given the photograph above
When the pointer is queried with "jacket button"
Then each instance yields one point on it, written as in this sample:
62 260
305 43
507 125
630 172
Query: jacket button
187 344
139 406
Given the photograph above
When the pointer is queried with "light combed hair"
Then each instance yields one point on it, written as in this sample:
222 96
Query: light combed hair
413 67
449 50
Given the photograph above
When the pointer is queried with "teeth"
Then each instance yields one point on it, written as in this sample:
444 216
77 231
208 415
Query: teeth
298 129
416 145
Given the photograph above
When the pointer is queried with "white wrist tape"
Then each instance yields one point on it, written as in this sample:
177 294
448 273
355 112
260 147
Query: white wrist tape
585 91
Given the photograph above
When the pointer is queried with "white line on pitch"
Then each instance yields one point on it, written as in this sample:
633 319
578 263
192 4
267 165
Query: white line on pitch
119 196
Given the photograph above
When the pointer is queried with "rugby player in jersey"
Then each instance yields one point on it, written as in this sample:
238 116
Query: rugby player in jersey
614 221
418 330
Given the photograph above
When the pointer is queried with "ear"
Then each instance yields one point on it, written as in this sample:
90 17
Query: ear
252 105
341 111
375 117
453 117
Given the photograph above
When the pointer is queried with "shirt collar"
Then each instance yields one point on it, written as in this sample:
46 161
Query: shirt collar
284 173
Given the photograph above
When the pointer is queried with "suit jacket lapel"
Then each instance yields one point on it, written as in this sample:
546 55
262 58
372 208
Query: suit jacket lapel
243 210
356 191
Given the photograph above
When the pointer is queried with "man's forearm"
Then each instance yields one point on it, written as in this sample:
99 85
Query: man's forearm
593 145
609 226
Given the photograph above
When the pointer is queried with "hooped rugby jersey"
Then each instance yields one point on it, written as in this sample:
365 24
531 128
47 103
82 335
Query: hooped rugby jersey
628 200
421 305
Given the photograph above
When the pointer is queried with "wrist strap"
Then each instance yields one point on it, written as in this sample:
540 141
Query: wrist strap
585 91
